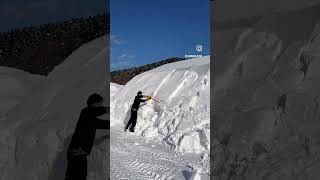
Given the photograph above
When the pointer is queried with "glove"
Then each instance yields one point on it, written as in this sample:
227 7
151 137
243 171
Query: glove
149 97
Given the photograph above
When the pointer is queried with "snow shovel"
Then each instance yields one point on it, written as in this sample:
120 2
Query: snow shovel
152 98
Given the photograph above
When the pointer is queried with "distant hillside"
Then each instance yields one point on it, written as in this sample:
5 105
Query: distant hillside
39 49
123 76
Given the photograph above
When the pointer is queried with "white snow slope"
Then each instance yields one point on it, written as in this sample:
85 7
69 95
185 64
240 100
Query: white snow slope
15 85
181 118
35 134
266 98
172 136
114 89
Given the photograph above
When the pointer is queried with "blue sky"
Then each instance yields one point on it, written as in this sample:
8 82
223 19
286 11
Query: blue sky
20 13
146 31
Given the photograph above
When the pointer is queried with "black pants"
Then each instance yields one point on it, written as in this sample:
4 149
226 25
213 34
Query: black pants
77 168
132 120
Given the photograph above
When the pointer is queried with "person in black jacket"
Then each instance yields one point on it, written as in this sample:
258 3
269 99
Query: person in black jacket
134 110
83 137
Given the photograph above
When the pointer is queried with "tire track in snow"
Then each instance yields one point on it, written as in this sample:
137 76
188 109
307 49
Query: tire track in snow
132 157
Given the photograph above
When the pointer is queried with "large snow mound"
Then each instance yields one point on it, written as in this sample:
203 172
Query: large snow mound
36 132
114 89
266 99
15 85
181 118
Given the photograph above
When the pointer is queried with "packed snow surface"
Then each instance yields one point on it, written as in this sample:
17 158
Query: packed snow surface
136 158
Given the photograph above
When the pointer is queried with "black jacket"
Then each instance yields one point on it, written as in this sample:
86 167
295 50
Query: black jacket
85 131
136 103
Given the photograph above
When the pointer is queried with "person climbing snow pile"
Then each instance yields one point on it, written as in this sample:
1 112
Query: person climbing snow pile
83 137
134 110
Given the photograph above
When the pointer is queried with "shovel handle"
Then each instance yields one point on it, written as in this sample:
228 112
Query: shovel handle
151 98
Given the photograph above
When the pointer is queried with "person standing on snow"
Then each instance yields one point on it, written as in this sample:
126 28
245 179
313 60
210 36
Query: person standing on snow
134 110
83 137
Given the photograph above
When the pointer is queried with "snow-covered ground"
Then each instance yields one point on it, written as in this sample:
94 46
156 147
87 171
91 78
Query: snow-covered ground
180 119
137 158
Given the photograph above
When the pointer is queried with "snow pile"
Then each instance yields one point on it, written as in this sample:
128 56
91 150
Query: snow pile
181 118
36 132
266 99
15 85
114 89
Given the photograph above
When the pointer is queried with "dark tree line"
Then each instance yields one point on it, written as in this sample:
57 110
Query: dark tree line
123 76
39 49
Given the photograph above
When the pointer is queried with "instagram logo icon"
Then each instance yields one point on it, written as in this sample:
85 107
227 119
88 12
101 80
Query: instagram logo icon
199 48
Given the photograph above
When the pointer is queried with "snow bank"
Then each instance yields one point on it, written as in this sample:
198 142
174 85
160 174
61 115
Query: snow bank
181 118
15 85
36 133
114 89
266 100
